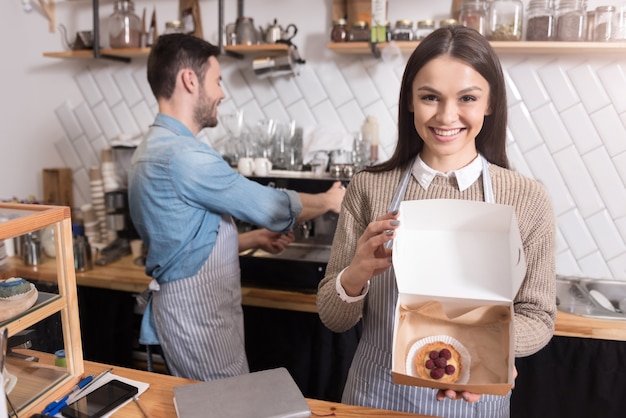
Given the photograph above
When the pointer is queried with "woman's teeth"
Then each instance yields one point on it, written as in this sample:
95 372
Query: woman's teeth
450 132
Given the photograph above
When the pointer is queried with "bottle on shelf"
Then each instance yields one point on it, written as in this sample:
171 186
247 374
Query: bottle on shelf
339 33
359 32
124 26
604 23
540 21
403 31
571 20
505 20
424 28
473 15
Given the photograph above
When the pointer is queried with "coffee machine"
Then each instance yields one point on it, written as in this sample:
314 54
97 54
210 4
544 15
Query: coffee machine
119 225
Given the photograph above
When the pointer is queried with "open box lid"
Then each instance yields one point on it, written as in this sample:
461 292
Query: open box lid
458 248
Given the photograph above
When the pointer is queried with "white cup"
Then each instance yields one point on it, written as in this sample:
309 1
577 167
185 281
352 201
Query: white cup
262 166
245 165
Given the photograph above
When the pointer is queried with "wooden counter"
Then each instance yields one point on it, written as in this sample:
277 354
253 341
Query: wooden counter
125 276
158 399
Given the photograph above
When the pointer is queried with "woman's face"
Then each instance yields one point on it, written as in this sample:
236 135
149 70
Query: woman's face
450 102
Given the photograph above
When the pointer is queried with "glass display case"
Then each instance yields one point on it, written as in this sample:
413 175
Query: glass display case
31 378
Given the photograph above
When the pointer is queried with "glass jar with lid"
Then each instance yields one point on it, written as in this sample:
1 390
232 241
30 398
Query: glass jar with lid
540 21
473 15
359 32
444 23
339 33
571 22
505 20
403 31
604 23
174 26
424 28
124 26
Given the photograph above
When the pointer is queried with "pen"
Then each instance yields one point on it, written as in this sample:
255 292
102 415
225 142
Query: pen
84 382
76 395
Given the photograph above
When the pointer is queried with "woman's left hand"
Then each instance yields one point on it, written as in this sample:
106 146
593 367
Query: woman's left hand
466 396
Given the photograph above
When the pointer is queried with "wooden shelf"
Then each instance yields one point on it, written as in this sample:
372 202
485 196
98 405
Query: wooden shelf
88 53
261 50
360 48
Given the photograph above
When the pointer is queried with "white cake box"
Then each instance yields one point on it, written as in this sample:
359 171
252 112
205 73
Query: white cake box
458 265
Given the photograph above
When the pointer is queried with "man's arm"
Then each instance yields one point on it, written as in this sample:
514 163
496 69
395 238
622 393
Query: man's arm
314 205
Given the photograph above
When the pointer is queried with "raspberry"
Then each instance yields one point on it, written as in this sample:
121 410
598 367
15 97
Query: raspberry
436 373
445 353
433 354
450 369
440 362
429 364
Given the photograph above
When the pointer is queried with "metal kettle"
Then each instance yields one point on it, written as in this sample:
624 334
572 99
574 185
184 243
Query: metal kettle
245 33
275 33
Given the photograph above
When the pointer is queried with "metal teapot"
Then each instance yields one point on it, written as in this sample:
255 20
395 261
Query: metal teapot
275 33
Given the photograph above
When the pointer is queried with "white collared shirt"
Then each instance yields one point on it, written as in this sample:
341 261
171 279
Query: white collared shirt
465 176
424 175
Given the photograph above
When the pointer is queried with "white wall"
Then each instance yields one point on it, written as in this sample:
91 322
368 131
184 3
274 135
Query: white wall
566 128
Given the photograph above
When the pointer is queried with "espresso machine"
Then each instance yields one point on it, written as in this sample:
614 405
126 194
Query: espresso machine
301 266
119 225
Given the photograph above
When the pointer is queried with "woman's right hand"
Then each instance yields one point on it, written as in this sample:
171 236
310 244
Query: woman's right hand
371 257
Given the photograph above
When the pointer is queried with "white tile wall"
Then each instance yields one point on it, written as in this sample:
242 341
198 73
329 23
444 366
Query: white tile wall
567 128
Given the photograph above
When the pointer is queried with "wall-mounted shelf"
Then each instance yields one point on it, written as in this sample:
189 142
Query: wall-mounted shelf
88 53
357 48
260 50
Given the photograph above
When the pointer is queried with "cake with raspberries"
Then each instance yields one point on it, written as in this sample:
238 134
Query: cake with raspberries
439 361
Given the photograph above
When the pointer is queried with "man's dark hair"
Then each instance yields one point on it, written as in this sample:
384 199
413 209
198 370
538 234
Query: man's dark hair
173 52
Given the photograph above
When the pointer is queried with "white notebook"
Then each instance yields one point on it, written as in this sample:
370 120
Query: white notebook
266 394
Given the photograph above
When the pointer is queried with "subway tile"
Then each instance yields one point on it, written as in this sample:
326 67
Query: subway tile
590 90
566 265
517 160
360 84
334 83
310 86
617 266
85 152
581 129
87 121
620 165
523 128
287 90
302 114
387 127
621 227
143 115
66 151
545 170
81 187
262 90
551 128
126 84
607 181
594 266
533 92
613 79
106 120
141 80
351 114
325 112
610 129
99 144
579 181
109 89
576 234
513 95
68 120
559 87
125 119
252 113
560 243
607 236
275 110
88 87
386 83
239 90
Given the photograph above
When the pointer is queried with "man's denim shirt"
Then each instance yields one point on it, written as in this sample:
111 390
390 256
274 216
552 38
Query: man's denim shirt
178 189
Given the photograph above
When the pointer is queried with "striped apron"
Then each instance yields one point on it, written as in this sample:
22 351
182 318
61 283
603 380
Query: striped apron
199 319
369 379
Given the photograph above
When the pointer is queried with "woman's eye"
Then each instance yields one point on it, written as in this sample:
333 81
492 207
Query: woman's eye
468 99
429 98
